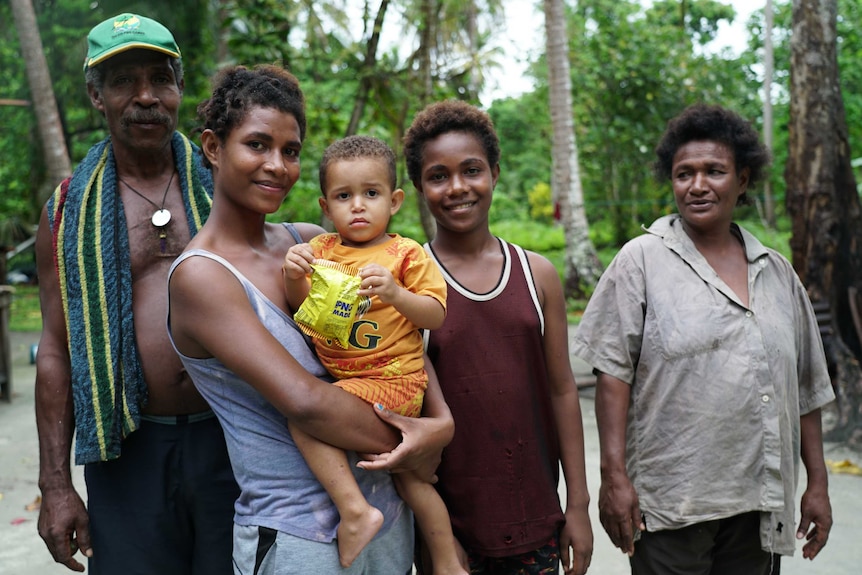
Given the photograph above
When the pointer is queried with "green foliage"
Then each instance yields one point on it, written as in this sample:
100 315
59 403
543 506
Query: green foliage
541 206
18 148
633 67
604 232
25 313
697 20
849 57
406 221
524 128
632 70
63 27
777 239
258 31
533 236
575 309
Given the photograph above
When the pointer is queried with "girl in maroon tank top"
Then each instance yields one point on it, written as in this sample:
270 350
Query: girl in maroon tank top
503 363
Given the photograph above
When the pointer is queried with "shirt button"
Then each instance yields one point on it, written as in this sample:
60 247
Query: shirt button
764 398
748 314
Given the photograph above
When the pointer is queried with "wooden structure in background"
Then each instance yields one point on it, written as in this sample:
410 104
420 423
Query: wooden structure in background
5 346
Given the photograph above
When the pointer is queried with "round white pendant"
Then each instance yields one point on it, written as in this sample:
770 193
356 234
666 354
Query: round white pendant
161 218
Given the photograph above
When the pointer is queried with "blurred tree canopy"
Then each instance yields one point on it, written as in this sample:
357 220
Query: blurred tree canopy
634 65
633 68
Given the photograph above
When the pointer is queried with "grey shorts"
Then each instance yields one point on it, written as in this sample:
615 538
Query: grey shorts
263 551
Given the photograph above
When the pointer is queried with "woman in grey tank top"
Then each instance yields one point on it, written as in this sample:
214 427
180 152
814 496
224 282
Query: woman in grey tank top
228 320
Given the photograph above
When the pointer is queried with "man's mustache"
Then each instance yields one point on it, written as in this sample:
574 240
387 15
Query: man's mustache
145 117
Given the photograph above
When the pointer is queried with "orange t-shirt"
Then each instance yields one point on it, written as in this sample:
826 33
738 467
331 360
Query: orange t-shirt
383 362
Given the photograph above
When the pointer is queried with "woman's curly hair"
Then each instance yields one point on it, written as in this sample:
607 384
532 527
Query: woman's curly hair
704 122
238 89
448 116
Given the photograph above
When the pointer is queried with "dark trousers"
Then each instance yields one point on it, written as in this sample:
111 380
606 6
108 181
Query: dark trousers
723 547
166 505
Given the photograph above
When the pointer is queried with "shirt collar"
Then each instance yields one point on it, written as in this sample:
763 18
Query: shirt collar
670 229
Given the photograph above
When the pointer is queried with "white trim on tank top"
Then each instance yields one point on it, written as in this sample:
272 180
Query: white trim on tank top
501 284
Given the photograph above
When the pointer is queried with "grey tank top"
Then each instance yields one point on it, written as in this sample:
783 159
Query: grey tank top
277 488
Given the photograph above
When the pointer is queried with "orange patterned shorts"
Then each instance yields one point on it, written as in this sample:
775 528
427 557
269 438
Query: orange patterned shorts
402 394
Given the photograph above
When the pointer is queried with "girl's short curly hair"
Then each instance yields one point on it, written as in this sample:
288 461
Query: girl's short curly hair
238 89
715 123
448 116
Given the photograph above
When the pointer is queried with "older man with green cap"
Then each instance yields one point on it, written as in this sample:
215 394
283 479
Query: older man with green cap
160 491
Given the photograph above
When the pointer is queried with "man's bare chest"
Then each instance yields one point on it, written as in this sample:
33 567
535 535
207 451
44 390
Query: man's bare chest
149 241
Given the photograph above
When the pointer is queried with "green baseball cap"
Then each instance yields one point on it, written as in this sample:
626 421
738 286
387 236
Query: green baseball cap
128 32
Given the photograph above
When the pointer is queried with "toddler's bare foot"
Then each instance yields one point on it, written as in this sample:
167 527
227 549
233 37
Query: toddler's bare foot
355 532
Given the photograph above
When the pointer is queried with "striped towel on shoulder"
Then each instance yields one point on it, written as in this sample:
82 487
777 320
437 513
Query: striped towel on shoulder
91 247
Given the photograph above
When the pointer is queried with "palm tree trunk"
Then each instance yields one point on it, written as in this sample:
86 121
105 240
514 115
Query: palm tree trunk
582 264
427 35
368 65
57 163
768 66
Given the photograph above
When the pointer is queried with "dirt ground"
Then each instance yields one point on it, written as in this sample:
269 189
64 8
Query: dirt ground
23 553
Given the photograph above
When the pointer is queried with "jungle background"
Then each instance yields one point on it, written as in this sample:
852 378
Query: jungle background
632 65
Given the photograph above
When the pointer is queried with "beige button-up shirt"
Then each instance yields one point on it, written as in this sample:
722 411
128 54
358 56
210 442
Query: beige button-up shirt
717 387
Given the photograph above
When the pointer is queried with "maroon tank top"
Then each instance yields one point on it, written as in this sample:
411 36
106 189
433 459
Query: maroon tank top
499 475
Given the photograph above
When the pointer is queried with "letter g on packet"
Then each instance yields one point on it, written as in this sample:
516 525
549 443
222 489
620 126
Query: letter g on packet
333 302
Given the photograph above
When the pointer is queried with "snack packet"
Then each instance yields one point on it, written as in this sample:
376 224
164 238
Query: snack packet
333 302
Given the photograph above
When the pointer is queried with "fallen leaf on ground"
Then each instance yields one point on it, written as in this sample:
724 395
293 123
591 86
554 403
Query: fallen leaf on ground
35 504
845 466
18 521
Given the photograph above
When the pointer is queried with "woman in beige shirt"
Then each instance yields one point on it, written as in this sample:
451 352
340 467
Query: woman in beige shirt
711 374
